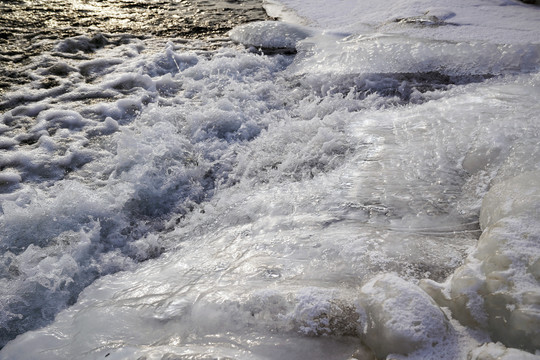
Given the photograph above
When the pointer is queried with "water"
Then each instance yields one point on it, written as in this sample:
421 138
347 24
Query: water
45 69
28 28
295 193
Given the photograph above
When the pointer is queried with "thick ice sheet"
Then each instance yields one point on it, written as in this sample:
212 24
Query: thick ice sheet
494 21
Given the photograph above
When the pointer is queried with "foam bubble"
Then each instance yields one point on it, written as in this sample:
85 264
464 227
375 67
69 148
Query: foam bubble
9 178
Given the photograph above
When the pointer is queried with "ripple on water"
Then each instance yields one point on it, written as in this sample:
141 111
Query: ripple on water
28 28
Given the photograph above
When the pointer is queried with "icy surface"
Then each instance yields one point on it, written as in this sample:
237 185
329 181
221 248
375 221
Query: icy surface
494 351
270 35
497 21
497 288
400 317
173 199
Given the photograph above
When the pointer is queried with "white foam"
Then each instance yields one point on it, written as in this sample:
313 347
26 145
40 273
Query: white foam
10 177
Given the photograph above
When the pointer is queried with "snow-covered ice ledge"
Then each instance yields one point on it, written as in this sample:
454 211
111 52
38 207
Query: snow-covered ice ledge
497 21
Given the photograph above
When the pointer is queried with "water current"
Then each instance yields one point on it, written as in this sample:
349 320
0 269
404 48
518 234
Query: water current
27 28
30 32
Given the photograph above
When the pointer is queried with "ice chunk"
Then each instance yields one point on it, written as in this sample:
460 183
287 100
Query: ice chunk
503 21
497 289
497 351
520 195
270 34
390 53
401 317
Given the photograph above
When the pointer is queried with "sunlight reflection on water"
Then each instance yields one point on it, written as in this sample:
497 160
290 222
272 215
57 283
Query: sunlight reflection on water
27 28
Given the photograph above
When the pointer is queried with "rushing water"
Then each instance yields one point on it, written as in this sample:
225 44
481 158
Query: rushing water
292 194
28 28
35 60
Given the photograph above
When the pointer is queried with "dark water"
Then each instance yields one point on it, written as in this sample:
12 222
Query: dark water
27 28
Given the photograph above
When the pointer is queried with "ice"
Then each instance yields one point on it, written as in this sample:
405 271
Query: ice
499 22
270 35
277 10
373 54
400 317
493 351
497 288
512 198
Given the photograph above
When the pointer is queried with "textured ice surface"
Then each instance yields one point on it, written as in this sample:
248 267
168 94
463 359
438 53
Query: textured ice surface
499 22
400 317
366 54
270 35
494 351
497 288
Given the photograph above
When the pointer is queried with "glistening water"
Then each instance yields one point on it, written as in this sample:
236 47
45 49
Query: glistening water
29 28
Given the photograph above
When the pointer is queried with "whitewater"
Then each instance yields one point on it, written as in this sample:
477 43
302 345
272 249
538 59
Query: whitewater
355 180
